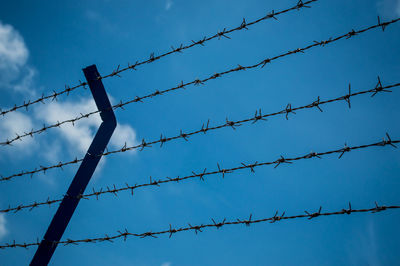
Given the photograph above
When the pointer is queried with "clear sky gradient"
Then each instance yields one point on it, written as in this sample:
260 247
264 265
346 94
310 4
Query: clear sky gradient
45 44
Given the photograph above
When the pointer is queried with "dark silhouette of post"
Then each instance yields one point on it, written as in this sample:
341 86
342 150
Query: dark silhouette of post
70 201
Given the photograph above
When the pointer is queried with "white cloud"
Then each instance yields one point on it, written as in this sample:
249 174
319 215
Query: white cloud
52 151
389 8
123 134
24 85
13 52
81 134
168 4
166 264
15 74
16 122
3 230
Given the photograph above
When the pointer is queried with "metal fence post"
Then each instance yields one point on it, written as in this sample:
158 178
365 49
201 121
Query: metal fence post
70 201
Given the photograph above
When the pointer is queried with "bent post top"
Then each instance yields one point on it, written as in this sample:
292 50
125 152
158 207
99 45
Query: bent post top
71 199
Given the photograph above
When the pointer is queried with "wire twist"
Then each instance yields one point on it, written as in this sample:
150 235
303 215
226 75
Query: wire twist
204 173
195 82
206 127
170 231
152 58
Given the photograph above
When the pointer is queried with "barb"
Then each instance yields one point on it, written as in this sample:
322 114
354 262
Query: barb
257 117
244 25
201 175
183 85
124 234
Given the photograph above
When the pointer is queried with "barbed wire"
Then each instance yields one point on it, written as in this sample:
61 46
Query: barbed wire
197 81
124 234
206 126
244 25
223 171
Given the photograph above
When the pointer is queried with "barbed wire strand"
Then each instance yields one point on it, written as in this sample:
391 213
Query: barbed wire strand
206 127
124 234
244 25
196 82
204 173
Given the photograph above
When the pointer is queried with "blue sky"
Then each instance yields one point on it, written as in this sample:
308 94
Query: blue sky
44 45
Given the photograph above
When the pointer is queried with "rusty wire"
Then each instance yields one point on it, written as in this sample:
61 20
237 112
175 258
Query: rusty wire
204 173
183 85
124 234
244 25
206 126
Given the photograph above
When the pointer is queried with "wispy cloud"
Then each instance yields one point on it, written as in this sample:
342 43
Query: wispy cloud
100 20
92 15
3 230
25 84
364 249
371 246
168 4
389 8
166 264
